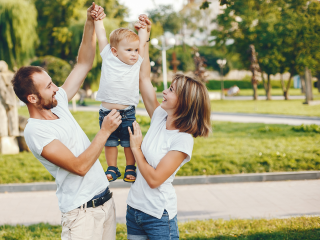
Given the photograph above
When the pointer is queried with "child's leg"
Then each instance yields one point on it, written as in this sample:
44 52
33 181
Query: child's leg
111 154
129 160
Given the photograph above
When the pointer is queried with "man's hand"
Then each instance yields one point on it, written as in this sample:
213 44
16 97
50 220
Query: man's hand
95 12
136 138
111 122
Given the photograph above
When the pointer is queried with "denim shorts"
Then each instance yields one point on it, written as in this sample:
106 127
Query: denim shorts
121 134
143 226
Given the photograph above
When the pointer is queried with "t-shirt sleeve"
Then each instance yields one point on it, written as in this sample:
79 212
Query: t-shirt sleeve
37 137
104 53
158 114
62 97
183 143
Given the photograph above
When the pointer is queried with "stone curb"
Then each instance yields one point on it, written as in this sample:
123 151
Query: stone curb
213 179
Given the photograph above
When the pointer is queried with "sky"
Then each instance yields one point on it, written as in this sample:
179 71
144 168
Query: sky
136 7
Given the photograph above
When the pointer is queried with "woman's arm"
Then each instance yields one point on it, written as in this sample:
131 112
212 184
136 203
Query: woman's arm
167 166
146 89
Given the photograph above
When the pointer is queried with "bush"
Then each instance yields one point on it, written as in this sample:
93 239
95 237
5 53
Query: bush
307 128
242 84
57 68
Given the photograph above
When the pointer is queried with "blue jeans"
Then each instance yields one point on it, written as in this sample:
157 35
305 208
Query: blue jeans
143 226
121 134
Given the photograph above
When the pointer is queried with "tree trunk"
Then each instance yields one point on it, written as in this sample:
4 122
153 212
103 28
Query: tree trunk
286 90
255 92
268 90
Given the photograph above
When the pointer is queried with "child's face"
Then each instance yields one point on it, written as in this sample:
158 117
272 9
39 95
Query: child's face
127 51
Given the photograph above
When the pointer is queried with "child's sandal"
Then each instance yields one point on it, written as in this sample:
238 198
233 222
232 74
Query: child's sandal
132 173
115 173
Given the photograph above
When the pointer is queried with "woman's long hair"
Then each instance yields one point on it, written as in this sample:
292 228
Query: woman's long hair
193 108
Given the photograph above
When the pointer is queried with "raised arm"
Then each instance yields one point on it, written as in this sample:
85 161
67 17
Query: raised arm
58 154
146 89
143 38
85 56
101 34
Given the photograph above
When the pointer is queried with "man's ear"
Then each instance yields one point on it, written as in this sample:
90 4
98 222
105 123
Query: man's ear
32 98
114 51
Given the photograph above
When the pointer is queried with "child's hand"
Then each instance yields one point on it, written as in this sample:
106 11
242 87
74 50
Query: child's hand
143 18
97 12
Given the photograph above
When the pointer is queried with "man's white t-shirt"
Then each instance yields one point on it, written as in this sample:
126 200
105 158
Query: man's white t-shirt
119 82
156 144
72 190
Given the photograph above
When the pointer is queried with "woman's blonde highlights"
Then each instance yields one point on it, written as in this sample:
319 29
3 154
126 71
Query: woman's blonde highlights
193 108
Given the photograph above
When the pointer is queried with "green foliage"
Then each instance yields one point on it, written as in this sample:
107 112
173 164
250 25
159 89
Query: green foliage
167 17
242 229
307 128
184 55
57 68
242 84
17 32
205 5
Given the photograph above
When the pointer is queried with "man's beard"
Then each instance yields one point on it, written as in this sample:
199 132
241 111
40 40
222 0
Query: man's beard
46 104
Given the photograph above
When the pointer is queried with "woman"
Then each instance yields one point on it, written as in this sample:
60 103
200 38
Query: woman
183 114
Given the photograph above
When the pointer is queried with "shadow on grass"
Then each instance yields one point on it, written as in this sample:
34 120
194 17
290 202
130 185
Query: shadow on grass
312 234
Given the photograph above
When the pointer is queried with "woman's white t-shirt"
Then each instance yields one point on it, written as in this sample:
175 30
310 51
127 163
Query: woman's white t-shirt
156 144
72 190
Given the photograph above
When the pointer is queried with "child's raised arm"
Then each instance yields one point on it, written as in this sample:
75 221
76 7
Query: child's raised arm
101 34
143 37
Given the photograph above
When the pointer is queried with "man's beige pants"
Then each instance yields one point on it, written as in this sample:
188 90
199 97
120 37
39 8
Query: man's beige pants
90 223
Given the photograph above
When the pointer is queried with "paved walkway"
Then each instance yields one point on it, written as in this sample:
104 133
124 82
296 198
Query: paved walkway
235 117
211 201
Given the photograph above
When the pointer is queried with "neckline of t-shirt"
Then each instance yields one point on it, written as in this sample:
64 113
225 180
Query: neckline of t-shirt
36 119
170 131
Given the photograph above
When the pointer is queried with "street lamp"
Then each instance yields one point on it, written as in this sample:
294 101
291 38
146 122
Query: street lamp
163 48
222 63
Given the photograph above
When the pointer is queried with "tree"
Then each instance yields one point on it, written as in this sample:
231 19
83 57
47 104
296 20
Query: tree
283 32
18 22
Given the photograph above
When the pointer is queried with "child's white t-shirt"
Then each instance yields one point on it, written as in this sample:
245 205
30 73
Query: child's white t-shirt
72 190
156 144
119 82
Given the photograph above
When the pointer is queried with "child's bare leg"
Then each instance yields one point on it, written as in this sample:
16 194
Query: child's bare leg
111 154
129 160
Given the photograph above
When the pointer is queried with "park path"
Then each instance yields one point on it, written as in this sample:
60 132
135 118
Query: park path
195 202
235 117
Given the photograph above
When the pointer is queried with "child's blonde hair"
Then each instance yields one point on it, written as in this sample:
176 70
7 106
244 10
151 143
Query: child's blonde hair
122 33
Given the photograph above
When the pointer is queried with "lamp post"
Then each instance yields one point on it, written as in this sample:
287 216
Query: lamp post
163 48
222 63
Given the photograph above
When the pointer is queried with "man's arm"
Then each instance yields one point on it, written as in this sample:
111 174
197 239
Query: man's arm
58 154
85 57
101 34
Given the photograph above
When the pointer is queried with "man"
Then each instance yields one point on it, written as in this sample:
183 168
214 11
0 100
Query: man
58 142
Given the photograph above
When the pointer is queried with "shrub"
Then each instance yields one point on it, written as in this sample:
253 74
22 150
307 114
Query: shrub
57 68
307 128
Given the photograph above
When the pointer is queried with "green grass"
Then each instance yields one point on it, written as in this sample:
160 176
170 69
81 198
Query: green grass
282 107
274 229
231 148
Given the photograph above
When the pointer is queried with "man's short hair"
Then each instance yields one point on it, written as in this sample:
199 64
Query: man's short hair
122 33
23 83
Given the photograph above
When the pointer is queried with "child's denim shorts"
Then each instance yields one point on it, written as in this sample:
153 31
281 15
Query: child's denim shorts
121 134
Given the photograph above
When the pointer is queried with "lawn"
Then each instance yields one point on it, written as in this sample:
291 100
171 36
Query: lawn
282 107
274 229
231 148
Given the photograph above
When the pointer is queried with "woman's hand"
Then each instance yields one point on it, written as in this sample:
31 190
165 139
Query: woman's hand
136 137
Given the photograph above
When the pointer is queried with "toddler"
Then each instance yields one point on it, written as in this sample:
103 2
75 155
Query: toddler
119 89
